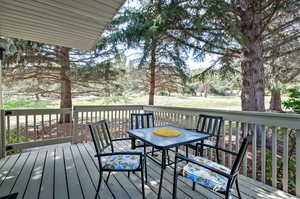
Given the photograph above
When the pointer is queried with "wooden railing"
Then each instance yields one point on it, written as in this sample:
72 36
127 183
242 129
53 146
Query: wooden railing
35 127
271 156
118 117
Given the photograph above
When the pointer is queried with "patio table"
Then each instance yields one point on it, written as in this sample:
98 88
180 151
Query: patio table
165 143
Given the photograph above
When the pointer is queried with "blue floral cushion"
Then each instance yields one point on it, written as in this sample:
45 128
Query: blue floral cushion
206 177
121 162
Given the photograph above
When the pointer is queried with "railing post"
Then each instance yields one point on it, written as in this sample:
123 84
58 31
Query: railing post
75 126
189 122
298 162
2 134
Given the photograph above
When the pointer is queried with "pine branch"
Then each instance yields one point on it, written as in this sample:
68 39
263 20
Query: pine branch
281 54
201 49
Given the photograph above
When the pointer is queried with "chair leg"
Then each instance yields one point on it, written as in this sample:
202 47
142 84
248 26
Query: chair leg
128 174
152 152
194 186
108 177
145 163
143 184
99 185
227 195
186 151
237 188
175 177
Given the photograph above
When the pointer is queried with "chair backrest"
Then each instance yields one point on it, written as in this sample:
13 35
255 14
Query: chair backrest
240 156
141 120
101 136
210 124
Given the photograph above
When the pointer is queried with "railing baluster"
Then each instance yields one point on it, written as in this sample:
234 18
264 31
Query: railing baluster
57 124
115 121
254 145
34 127
43 127
18 129
263 154
223 142
8 129
237 144
63 124
285 156
274 157
50 122
297 188
26 126
119 123
230 143
245 160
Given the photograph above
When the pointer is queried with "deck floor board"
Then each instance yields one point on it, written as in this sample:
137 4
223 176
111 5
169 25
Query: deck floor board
71 171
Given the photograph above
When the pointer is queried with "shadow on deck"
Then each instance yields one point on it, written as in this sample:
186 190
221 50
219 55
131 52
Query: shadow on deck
70 171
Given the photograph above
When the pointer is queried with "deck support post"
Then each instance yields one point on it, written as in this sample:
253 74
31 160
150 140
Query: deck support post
2 112
298 162
75 126
2 134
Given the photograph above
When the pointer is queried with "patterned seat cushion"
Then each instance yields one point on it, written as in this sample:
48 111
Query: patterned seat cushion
121 162
206 177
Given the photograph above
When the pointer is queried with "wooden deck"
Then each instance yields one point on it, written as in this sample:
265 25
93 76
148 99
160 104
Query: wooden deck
70 171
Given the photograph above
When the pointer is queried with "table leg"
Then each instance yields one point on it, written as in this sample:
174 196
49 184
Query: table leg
163 166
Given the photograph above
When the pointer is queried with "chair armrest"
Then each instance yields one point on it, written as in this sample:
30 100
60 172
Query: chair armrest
121 139
202 165
119 153
227 151
221 149
191 129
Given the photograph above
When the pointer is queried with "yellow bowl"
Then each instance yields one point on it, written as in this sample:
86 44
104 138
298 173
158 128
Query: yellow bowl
166 132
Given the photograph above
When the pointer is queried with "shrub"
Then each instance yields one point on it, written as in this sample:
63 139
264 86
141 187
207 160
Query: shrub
293 102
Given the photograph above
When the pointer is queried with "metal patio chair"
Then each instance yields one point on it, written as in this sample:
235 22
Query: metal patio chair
114 161
143 120
210 174
209 125
138 121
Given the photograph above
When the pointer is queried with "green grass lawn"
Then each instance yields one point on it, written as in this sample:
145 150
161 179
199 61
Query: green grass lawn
211 102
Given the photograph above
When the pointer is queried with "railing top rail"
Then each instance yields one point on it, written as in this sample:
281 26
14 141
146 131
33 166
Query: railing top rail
16 112
106 107
288 120
252 113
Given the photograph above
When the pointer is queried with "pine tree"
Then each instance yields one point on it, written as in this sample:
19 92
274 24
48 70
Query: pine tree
144 28
237 29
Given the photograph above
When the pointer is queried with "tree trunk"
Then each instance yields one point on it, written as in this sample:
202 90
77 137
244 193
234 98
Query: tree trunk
253 85
37 97
152 74
66 94
275 103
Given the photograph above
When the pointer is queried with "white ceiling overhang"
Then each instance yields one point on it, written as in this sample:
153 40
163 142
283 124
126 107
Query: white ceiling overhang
69 23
